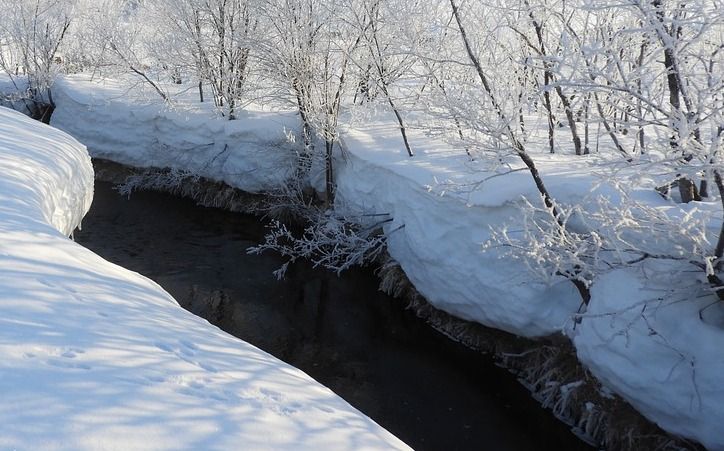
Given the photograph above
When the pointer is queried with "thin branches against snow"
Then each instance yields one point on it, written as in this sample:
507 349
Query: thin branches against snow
595 236
330 241
170 181
549 247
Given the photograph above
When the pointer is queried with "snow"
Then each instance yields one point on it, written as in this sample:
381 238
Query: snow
251 154
656 353
98 357
443 258
440 245
443 207
9 88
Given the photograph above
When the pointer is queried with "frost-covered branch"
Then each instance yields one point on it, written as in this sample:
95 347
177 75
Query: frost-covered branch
170 181
330 241
601 234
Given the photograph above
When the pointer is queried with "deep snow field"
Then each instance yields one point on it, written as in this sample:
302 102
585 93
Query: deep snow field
98 357
640 336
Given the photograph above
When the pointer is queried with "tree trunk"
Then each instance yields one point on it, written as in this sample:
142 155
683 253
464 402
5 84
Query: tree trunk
586 125
329 172
400 122
688 190
714 278
571 120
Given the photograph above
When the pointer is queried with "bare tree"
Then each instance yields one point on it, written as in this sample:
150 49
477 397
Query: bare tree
308 49
31 35
210 39
510 141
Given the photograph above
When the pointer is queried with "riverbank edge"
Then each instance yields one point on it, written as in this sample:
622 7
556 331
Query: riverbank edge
547 367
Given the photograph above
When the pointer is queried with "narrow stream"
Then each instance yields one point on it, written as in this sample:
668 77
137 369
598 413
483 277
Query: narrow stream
429 391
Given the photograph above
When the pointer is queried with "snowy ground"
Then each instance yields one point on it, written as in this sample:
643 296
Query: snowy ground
97 357
131 127
658 355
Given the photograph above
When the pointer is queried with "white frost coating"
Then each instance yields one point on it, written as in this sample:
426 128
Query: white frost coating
665 361
98 357
252 154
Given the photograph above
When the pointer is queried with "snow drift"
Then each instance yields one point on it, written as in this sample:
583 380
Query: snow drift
98 357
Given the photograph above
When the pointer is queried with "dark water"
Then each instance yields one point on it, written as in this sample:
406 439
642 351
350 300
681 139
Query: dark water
432 393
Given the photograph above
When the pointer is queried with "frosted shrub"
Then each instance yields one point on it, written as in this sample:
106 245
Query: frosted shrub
171 181
548 245
333 242
583 242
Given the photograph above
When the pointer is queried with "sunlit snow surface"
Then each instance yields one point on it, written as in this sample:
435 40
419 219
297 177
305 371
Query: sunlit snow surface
94 356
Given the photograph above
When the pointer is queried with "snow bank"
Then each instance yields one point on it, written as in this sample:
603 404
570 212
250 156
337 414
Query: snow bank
440 250
252 154
657 354
11 91
97 357
448 205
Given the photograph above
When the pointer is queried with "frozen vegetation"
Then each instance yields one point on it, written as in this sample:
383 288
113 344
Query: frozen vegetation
541 168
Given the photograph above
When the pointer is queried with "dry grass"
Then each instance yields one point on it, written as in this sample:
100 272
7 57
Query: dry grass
203 191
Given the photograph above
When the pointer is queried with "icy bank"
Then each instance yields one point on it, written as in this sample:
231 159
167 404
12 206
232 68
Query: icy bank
98 357
251 154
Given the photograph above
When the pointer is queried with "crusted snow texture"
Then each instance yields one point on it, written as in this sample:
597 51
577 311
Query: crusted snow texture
98 357
659 355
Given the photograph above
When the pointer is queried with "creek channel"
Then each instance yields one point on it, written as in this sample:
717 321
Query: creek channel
431 392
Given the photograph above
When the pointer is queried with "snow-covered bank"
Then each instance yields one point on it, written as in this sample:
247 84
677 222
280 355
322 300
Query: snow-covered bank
10 92
442 257
251 154
639 337
651 349
439 246
98 357
655 354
